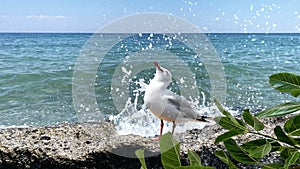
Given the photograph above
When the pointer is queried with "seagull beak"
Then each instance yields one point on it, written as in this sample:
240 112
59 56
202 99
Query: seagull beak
157 66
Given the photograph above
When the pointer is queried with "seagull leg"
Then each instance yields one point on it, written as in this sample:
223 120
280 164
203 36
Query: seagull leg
173 127
161 130
161 127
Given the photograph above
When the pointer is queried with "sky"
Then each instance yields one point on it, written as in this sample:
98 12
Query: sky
240 16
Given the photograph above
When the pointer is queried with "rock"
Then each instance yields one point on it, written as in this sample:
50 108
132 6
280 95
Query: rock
97 145
45 138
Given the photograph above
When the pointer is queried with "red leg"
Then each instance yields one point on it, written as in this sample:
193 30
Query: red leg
161 127
161 131
173 127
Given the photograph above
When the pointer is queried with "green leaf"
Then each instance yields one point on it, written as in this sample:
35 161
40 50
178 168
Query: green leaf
221 108
194 158
292 126
223 157
261 151
291 159
297 141
140 154
286 152
229 122
258 148
272 166
275 146
286 82
252 121
234 125
279 110
225 136
251 145
238 153
281 136
169 148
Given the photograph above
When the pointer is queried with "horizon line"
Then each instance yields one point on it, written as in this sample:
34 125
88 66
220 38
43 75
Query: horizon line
89 32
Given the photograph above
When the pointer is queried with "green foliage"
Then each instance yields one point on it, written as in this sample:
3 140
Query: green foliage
287 142
259 144
223 157
292 126
238 153
170 151
252 121
281 136
140 154
272 166
194 158
225 136
258 148
170 155
286 82
279 110
233 125
236 125
250 152
291 159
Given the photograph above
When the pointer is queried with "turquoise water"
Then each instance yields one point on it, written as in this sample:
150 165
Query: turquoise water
36 72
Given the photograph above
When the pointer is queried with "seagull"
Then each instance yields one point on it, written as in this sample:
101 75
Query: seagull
167 105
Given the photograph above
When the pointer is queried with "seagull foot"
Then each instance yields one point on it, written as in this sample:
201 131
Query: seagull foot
156 138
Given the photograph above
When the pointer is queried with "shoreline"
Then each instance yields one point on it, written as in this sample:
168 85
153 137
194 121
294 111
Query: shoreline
97 145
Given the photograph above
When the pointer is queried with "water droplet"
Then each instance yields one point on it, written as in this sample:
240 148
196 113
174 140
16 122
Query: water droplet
251 7
235 17
150 46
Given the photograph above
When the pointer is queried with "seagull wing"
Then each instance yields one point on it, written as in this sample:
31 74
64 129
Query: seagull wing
181 105
182 109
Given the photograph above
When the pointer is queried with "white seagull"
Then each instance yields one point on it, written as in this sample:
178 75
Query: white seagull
167 105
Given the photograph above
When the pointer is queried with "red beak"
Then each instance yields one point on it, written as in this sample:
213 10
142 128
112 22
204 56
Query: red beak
157 66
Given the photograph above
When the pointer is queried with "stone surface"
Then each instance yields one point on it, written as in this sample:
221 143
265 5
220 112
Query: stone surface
97 145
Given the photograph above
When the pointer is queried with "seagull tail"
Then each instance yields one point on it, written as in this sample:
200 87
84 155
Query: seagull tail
204 119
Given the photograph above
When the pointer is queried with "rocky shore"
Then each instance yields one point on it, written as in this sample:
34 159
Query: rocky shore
97 145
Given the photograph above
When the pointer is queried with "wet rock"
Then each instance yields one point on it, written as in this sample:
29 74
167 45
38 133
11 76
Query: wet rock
97 145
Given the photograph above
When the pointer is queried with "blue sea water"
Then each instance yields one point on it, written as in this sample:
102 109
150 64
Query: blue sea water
36 71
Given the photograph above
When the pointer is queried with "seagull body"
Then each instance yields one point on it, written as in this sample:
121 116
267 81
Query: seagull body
165 104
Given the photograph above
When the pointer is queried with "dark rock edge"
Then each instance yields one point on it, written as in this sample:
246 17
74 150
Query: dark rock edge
97 145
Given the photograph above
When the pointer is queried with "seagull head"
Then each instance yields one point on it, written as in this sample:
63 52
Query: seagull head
162 74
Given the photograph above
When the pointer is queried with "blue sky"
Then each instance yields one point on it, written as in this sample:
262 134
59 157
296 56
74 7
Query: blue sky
208 15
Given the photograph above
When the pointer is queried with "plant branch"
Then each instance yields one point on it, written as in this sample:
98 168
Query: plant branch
257 133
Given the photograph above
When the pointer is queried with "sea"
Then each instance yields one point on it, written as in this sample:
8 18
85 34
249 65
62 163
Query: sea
47 78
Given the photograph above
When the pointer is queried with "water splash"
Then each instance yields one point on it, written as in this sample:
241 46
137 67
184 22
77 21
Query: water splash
142 122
